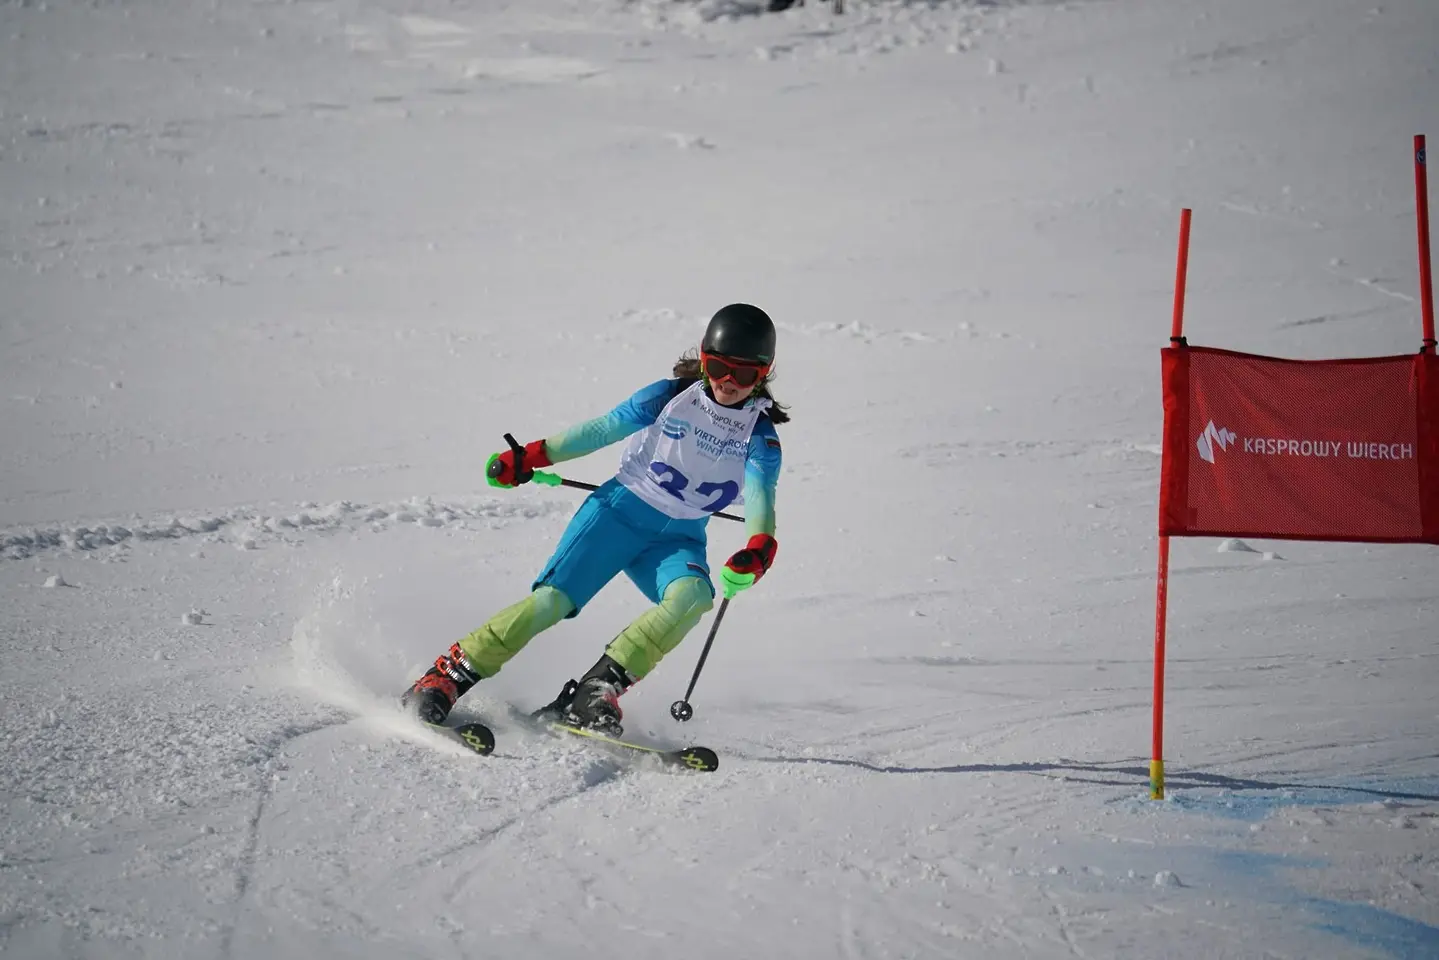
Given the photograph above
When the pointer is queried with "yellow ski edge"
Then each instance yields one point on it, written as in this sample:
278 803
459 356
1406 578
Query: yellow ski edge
581 732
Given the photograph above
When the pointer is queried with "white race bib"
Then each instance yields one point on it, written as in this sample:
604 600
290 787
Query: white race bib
690 462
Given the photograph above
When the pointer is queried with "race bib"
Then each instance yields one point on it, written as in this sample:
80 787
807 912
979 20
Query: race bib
690 462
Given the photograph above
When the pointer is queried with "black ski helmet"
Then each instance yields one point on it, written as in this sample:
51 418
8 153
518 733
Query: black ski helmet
742 331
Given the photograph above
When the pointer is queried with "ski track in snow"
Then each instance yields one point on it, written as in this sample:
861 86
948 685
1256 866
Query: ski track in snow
246 528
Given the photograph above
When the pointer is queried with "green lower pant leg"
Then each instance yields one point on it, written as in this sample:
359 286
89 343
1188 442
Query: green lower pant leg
505 634
659 629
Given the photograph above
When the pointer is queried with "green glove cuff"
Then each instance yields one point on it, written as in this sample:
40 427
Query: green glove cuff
735 583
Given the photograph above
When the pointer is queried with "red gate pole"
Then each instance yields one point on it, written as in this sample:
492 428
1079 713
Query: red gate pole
1421 206
1161 593
1161 604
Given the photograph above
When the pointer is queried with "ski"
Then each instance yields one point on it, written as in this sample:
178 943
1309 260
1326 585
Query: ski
472 736
700 759
480 739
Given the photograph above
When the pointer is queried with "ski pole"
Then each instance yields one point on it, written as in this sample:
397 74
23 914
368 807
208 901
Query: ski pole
681 709
553 479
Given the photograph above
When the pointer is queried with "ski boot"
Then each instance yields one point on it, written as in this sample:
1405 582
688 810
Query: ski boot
555 710
434 694
592 702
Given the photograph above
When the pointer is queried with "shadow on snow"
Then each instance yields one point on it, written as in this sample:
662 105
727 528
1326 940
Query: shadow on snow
1115 774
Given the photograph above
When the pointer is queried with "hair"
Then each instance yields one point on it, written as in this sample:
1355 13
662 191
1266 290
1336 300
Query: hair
687 367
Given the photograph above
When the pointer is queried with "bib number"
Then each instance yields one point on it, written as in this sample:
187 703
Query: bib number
674 483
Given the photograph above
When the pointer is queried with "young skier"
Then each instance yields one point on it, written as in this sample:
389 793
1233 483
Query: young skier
696 442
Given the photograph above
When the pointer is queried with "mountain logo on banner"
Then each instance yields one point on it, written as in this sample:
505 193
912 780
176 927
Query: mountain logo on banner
1214 435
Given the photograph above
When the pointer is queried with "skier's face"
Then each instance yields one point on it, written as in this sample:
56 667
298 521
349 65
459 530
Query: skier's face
731 380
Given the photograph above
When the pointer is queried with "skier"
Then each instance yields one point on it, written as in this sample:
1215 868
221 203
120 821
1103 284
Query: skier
698 439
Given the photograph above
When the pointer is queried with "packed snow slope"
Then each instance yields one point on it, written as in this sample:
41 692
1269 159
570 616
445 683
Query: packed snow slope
275 278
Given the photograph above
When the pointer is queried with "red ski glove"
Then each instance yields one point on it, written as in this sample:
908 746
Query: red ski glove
500 470
744 569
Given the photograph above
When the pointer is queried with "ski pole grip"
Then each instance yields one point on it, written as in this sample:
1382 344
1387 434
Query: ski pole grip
496 468
519 453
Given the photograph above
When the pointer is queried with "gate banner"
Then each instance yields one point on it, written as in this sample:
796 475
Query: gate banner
1300 449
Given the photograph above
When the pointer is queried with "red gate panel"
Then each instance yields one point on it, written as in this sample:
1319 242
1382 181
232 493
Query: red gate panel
1300 449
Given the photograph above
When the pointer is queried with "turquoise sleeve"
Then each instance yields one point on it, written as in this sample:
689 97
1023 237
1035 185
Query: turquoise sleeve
761 477
639 411
587 437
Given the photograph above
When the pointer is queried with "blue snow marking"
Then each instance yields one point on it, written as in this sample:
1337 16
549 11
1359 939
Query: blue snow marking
1254 806
1252 801
1262 866
1267 878
1369 926
1359 923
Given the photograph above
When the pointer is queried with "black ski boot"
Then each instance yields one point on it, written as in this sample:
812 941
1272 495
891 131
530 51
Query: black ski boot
433 695
592 702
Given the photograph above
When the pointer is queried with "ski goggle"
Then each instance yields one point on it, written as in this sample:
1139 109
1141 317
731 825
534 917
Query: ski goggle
720 369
